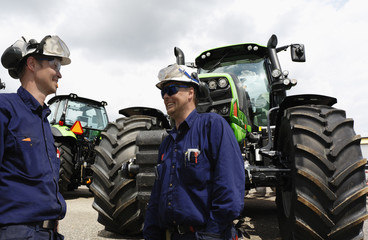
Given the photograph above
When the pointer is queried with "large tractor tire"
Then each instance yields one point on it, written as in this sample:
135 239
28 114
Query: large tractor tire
66 166
116 198
325 197
148 143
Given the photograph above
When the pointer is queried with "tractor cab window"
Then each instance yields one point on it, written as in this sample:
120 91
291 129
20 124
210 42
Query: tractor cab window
252 74
56 109
90 116
52 116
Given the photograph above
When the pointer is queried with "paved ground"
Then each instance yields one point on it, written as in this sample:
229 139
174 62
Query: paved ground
81 223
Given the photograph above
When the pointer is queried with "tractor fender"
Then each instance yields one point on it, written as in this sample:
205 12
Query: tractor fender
62 131
304 99
153 112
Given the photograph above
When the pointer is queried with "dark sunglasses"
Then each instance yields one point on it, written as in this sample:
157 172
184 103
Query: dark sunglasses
171 90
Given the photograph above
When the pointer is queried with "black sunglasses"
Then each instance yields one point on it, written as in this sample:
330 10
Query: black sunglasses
171 90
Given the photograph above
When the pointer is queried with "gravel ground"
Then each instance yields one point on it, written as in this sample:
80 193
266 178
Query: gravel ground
80 222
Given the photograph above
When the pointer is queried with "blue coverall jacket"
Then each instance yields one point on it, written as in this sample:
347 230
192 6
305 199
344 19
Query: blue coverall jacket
200 178
29 167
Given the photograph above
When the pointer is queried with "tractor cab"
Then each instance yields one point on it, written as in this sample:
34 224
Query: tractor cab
247 66
84 117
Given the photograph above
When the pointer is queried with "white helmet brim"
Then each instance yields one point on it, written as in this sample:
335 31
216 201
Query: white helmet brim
177 73
56 47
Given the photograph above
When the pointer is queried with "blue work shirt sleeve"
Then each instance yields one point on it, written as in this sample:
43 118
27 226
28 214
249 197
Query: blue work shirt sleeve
228 177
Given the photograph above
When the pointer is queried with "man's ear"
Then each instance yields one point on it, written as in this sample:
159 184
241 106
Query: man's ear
191 92
31 63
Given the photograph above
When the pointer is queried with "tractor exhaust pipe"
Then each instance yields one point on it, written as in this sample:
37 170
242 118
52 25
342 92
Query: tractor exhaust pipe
180 60
271 46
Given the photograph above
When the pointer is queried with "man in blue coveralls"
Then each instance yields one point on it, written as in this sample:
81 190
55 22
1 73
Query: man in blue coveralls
30 202
199 187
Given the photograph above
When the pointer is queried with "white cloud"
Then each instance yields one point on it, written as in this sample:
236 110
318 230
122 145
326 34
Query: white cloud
118 47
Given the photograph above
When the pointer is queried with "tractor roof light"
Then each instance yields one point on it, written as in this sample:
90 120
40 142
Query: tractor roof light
250 48
276 73
255 48
207 54
222 82
286 81
294 82
73 95
285 73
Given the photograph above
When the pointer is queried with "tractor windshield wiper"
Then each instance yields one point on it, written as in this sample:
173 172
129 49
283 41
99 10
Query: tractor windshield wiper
219 62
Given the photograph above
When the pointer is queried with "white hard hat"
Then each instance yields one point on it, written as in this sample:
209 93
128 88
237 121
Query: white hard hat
175 72
56 47
49 46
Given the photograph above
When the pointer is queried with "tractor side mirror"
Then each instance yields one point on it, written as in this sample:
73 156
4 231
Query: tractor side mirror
297 53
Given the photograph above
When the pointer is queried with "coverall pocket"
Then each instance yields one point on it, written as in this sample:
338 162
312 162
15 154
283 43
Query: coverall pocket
197 174
24 142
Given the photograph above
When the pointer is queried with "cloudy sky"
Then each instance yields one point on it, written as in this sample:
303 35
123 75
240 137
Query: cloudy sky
118 47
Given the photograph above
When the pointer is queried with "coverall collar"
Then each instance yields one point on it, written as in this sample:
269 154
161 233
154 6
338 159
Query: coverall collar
31 102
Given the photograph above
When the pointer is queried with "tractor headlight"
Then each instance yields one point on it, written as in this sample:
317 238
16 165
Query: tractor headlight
212 84
214 110
223 82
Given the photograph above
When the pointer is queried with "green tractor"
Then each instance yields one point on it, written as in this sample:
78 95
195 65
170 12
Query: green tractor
76 124
299 145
